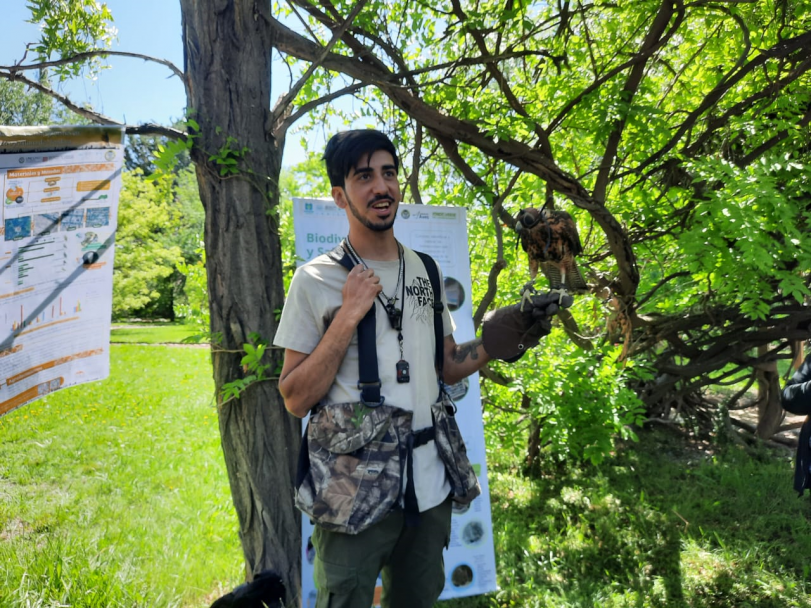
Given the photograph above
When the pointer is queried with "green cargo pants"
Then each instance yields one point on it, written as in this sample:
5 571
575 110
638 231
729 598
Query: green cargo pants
410 559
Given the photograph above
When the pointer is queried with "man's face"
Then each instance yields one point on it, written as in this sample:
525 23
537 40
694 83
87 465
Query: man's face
371 192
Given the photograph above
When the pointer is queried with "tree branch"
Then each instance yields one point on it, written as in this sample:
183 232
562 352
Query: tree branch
502 82
508 150
661 282
289 119
657 35
600 81
145 129
500 264
497 212
79 57
738 109
414 179
800 45
284 102
774 140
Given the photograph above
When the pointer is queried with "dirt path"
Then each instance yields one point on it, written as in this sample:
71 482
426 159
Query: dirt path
750 416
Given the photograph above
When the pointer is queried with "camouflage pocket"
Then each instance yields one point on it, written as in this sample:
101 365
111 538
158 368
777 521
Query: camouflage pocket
451 447
355 470
342 428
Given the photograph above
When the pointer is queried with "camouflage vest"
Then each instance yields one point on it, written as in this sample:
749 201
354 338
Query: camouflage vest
451 447
357 456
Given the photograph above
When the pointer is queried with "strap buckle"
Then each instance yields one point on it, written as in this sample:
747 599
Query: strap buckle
369 402
373 404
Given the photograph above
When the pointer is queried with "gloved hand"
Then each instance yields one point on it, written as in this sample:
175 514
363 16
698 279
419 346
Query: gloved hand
509 332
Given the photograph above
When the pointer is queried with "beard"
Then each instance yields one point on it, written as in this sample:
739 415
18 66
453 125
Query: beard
380 225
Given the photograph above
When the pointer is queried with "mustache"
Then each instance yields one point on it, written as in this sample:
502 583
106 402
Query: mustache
380 197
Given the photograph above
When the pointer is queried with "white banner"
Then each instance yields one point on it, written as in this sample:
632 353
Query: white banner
441 232
60 189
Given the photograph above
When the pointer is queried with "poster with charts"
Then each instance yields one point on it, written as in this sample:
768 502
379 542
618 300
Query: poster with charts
59 189
470 567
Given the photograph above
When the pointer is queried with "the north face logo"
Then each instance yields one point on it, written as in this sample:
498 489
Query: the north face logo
421 297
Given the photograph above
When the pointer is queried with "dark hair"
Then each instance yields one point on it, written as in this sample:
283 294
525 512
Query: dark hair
346 149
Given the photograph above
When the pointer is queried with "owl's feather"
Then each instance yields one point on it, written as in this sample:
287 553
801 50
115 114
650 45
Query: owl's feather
551 241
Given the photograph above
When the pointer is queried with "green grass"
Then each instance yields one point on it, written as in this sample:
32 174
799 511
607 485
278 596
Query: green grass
661 524
114 494
163 333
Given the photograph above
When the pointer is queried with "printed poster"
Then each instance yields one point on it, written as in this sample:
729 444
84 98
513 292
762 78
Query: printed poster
441 232
59 189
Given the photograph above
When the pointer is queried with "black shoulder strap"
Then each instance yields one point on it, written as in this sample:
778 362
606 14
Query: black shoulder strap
303 463
368 374
439 337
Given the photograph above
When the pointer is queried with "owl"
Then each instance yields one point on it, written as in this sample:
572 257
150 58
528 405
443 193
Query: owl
551 241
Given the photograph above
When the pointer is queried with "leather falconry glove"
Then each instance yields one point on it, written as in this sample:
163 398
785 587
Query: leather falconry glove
509 332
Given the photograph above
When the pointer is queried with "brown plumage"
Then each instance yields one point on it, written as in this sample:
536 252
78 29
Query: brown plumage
551 241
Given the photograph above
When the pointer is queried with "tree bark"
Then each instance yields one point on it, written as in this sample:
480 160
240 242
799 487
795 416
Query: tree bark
770 411
534 440
228 46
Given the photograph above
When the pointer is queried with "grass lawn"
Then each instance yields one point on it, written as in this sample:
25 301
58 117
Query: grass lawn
664 523
152 333
114 494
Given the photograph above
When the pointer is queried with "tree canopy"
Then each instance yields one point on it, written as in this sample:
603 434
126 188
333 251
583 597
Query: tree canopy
21 107
676 133
146 250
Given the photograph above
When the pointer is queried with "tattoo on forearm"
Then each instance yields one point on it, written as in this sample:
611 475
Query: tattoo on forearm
467 349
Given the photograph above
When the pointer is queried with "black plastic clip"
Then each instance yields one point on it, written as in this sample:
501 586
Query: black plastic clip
370 400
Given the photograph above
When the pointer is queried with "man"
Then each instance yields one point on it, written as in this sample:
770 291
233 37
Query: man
796 398
318 327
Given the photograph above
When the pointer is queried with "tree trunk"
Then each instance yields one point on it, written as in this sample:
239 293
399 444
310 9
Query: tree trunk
770 411
228 47
534 440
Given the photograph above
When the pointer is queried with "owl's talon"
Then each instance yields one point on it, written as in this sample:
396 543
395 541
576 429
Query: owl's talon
561 291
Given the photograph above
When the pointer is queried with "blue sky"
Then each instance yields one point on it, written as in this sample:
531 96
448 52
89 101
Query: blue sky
133 91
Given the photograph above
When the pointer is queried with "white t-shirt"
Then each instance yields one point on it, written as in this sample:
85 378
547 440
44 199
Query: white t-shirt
312 301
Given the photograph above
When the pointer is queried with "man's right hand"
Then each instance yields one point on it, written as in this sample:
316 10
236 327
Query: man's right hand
359 292
307 377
